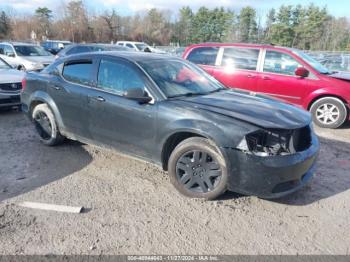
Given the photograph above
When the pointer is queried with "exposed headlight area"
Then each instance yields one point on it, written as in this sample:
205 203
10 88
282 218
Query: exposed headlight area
276 142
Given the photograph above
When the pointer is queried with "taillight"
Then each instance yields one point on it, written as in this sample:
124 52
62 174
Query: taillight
24 84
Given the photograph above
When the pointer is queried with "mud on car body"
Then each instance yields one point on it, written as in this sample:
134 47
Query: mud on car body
170 112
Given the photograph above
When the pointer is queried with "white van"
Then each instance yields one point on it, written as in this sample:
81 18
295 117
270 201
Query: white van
140 46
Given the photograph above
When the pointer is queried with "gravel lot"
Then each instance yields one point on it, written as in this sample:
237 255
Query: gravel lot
131 207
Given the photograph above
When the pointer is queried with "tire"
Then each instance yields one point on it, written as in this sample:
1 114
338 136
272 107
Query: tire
199 165
329 112
46 126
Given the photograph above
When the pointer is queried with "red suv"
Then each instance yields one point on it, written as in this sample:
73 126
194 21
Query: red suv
284 73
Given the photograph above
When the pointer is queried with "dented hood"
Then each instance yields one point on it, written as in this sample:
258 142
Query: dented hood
258 110
341 75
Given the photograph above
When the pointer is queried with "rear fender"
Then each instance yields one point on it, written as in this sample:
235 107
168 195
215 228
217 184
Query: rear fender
44 97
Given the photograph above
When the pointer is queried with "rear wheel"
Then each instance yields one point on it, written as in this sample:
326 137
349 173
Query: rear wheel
329 112
197 169
46 126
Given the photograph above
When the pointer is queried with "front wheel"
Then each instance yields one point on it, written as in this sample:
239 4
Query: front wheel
329 112
197 169
46 126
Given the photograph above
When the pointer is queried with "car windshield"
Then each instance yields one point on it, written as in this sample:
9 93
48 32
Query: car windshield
141 47
29 50
313 62
4 65
177 78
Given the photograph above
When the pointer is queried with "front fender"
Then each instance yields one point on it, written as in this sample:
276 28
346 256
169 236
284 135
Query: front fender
199 127
322 93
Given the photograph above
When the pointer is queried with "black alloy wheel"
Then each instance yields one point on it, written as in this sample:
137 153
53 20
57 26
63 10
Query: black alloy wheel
46 126
198 171
43 125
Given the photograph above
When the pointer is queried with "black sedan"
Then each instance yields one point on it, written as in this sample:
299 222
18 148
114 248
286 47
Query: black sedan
169 112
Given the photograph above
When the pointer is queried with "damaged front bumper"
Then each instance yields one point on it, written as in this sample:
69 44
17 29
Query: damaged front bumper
271 176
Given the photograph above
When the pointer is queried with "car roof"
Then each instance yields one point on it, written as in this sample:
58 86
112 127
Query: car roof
131 42
131 56
19 43
244 45
92 44
59 41
231 44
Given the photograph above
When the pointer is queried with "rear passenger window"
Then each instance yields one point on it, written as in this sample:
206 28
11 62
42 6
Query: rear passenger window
203 55
78 72
240 58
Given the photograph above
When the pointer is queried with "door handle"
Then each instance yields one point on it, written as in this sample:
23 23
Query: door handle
56 87
266 78
99 98
250 76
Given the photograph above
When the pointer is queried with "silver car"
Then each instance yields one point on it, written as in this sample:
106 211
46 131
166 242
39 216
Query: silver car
25 57
10 85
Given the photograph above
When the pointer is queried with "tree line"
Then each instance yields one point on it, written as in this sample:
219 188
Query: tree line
306 27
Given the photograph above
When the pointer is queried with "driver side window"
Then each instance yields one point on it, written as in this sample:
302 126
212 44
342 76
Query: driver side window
280 63
117 77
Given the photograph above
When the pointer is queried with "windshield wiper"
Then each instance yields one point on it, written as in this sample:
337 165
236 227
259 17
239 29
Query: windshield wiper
218 90
188 94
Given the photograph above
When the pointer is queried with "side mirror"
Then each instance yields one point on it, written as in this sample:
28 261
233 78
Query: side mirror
138 94
302 72
11 55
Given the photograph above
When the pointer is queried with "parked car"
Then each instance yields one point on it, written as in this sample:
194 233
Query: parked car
140 47
54 46
170 112
10 85
24 56
179 51
85 48
284 73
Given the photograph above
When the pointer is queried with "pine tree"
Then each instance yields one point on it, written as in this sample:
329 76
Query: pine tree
248 28
5 25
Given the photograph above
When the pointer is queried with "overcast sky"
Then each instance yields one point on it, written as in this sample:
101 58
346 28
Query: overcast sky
127 7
